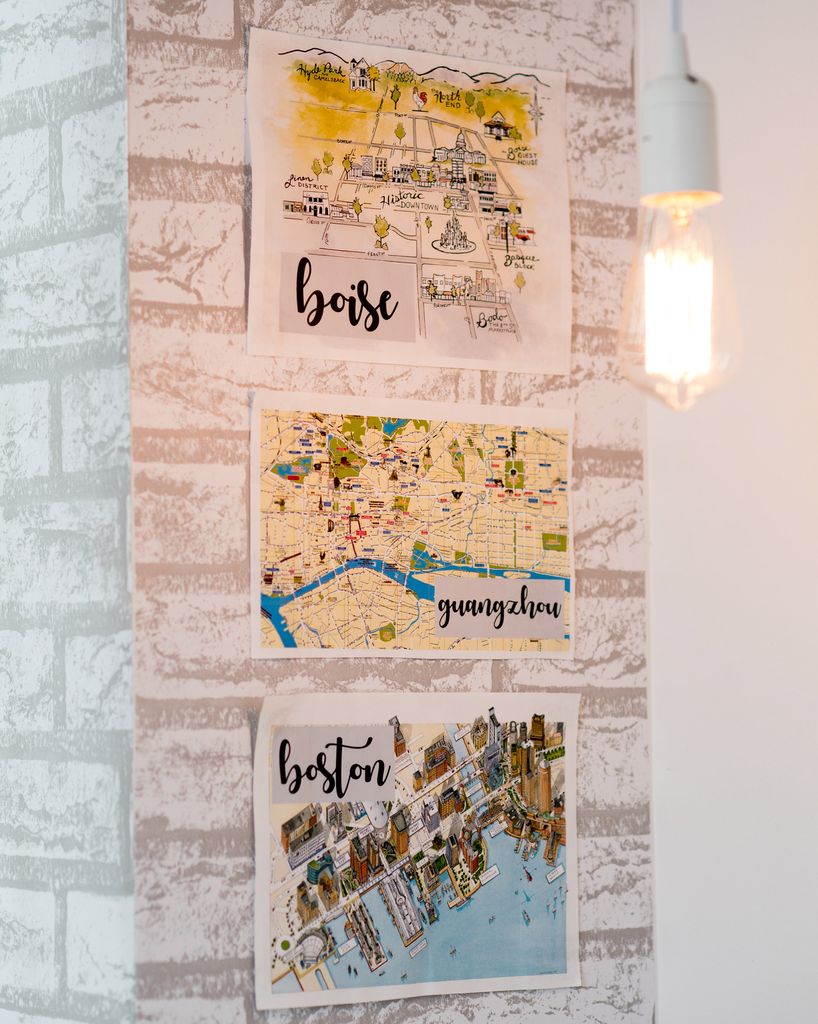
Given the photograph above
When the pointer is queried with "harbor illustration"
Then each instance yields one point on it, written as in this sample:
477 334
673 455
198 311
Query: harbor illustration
461 877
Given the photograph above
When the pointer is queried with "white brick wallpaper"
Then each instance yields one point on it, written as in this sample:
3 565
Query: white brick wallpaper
198 692
66 874
68 950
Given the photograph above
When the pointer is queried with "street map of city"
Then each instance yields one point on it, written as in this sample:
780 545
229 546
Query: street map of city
401 527
461 876
407 207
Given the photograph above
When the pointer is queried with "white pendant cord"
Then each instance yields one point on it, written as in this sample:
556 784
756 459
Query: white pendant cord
676 53
675 16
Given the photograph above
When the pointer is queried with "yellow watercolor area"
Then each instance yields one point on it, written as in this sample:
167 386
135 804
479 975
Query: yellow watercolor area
311 122
511 103
328 91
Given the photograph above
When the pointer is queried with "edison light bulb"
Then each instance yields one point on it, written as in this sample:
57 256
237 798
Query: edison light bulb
679 335
679 327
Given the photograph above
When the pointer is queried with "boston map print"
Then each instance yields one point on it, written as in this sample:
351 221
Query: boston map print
380 526
457 875
407 207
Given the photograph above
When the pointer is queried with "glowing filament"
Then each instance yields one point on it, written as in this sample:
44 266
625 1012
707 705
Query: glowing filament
678 313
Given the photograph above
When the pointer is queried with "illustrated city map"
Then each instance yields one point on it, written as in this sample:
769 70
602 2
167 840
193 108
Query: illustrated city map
360 516
463 877
441 179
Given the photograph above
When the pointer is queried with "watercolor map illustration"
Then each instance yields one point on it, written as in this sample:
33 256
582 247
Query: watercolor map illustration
360 515
432 177
463 878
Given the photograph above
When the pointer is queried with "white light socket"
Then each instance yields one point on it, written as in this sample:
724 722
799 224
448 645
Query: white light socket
677 127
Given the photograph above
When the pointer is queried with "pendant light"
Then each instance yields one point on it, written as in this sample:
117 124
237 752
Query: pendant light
679 333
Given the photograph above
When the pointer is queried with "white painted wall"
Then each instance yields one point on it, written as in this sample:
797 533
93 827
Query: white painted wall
733 490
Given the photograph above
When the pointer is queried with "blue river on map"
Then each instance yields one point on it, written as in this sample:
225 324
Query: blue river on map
271 605
506 947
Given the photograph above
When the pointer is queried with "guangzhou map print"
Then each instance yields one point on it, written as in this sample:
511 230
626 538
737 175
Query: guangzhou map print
360 512
440 181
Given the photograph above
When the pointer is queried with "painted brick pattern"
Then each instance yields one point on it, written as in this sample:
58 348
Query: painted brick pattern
66 871
27 932
198 691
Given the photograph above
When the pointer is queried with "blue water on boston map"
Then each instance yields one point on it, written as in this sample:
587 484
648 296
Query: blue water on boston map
506 947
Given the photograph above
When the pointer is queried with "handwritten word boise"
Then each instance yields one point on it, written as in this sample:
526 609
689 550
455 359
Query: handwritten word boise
314 303
354 298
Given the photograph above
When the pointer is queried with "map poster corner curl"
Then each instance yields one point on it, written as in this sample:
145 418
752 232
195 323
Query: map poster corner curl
386 527
407 207
408 846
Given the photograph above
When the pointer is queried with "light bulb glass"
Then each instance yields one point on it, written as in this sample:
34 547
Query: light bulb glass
679 335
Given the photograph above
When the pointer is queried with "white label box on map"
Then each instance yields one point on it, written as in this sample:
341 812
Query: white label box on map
558 872
321 763
479 607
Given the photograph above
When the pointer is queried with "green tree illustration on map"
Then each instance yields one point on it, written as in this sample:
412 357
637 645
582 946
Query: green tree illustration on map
513 227
346 163
400 132
415 175
329 160
469 98
395 96
519 280
356 206
316 168
381 230
447 202
479 109
428 223
515 134
374 73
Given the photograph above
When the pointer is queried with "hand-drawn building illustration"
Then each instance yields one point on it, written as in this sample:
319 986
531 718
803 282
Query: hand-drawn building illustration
359 76
497 127
459 156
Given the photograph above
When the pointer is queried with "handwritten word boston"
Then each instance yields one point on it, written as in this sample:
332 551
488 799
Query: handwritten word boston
332 763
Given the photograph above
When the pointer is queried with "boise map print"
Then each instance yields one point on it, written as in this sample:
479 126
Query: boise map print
463 880
407 207
370 514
